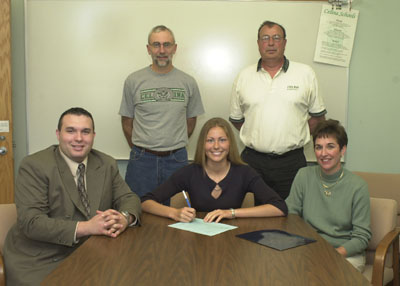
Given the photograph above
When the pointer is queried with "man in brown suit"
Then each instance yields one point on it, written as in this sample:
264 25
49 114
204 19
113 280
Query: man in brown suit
59 208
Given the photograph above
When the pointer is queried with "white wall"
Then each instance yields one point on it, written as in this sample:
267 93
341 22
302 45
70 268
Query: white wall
374 97
80 52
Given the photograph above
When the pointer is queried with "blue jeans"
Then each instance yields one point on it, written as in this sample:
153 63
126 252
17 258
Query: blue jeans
146 171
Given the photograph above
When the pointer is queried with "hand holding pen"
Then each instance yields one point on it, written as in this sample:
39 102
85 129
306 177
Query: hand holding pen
186 214
186 198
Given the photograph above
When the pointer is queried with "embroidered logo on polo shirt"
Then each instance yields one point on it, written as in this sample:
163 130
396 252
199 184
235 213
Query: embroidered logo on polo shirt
292 87
162 94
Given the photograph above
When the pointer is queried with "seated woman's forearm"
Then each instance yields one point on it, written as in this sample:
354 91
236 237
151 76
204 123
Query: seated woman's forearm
266 210
258 211
184 214
156 208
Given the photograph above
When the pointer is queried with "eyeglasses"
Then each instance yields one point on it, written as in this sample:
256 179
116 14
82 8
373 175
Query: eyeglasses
158 45
275 38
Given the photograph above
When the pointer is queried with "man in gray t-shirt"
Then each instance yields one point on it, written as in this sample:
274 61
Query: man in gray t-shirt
159 108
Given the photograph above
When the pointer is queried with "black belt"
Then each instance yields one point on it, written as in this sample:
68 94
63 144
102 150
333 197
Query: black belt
158 153
278 156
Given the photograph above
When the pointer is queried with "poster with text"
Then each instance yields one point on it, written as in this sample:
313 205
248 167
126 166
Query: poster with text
336 33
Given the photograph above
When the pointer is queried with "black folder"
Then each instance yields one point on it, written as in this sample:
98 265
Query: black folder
276 239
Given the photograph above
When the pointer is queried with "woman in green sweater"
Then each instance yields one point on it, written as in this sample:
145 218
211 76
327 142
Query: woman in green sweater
332 199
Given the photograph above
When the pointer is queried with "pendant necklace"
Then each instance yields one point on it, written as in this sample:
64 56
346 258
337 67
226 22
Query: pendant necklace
327 192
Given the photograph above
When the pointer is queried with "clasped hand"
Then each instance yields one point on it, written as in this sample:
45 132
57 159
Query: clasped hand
110 223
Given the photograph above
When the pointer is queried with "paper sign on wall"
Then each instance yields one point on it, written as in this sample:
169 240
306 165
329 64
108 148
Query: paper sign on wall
336 33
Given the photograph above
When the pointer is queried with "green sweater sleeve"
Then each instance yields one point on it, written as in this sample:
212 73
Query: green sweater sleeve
294 201
361 232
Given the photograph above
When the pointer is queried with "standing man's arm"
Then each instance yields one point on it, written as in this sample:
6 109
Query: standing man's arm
316 107
236 116
237 125
127 127
191 124
313 121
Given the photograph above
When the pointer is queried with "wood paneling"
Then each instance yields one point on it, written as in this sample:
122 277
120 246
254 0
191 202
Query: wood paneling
6 161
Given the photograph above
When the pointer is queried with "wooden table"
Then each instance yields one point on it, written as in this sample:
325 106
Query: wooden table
155 254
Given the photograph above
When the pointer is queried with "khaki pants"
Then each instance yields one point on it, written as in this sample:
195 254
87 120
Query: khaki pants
358 261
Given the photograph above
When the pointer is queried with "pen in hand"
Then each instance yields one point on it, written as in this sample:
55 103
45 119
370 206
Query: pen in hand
186 198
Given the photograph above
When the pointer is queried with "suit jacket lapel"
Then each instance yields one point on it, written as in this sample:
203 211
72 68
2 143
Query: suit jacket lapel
69 182
95 176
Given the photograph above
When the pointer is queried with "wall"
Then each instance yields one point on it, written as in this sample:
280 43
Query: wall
374 93
84 54
374 81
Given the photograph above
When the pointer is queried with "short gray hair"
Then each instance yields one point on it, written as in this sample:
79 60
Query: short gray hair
270 24
160 28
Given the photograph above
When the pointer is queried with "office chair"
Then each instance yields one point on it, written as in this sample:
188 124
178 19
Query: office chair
382 265
8 216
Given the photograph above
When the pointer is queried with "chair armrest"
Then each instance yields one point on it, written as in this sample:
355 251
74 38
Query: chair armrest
391 238
2 276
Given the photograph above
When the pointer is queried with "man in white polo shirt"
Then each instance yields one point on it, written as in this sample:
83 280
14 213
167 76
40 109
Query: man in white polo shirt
275 104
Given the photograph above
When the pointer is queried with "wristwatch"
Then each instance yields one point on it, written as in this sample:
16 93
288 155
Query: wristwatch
233 213
126 215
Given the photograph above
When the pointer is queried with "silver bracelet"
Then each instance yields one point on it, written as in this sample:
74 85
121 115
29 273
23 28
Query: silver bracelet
233 213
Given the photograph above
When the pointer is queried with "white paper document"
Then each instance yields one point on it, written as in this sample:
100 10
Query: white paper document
337 29
206 228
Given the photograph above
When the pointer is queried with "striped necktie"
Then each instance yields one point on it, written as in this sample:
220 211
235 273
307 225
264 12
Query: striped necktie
81 188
